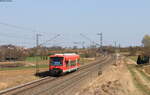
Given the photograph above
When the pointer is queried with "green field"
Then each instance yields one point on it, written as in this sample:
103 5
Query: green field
24 67
34 59
39 59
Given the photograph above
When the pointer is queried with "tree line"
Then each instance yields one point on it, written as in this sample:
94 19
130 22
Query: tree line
12 52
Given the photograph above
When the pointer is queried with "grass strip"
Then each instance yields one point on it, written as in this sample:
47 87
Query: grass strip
134 58
143 74
23 67
136 80
32 59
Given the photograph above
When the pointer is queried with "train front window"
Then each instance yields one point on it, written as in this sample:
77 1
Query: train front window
56 61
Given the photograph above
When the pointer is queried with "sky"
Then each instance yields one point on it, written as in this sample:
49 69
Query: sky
121 21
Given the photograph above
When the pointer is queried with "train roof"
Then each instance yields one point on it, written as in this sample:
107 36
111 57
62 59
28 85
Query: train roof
66 55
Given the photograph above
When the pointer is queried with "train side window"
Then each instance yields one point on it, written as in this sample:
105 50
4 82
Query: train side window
73 63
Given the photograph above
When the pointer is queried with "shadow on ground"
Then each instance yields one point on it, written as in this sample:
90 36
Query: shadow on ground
43 74
47 73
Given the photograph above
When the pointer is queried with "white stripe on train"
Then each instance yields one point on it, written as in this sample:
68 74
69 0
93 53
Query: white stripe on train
69 70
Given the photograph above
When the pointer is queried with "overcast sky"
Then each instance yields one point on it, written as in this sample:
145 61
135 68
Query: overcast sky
123 21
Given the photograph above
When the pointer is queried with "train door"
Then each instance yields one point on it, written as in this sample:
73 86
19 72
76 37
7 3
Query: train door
68 65
76 63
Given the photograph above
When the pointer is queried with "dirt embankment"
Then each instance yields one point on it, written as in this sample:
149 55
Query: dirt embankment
115 80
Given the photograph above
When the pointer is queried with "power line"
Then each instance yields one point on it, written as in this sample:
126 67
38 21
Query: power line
88 39
80 43
50 40
16 26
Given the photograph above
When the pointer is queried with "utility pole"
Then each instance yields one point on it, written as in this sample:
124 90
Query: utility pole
100 40
116 54
115 44
115 47
83 45
119 47
37 49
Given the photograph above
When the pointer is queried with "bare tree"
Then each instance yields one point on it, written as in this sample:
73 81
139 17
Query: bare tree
146 41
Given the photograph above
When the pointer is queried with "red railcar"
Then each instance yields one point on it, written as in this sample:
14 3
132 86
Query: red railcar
63 63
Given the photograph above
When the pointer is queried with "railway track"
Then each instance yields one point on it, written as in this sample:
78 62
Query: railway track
50 85
74 83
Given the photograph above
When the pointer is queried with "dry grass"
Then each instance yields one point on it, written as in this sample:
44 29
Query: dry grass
147 69
16 77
